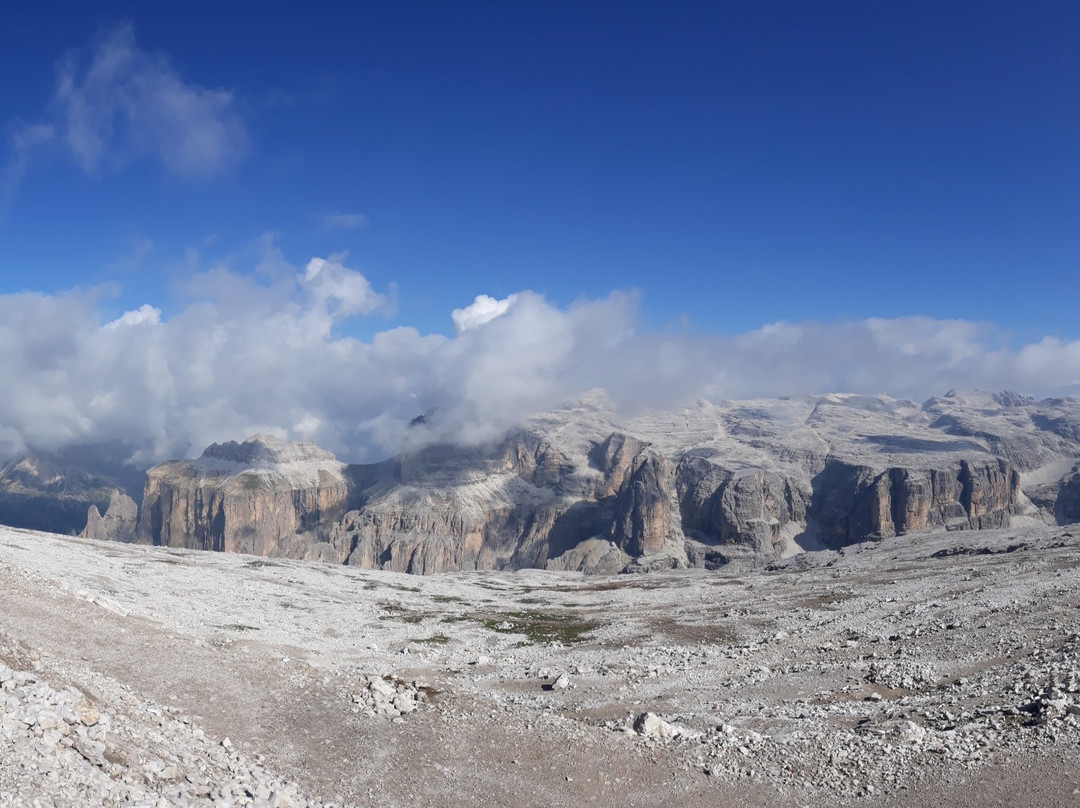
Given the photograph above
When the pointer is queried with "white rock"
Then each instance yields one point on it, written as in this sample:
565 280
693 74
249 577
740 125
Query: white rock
650 725
907 732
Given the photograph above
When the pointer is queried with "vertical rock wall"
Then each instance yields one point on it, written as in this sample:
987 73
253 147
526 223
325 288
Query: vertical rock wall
852 503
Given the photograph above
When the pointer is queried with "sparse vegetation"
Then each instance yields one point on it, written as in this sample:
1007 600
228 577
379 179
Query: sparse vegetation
543 627
434 639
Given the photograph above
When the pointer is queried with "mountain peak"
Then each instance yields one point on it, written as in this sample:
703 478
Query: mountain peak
266 450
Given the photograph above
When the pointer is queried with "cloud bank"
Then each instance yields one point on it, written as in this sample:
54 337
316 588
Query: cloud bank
120 104
252 354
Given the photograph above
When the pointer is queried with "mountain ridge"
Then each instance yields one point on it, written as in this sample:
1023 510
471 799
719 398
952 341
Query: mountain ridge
583 488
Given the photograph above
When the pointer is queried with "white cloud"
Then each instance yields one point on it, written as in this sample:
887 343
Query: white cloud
144 315
122 104
482 310
341 292
345 221
257 352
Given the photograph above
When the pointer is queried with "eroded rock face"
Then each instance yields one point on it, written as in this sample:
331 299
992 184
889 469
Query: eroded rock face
255 497
1066 499
852 503
639 482
751 508
520 503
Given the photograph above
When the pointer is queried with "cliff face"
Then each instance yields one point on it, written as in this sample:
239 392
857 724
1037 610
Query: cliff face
255 497
750 509
580 489
521 504
852 503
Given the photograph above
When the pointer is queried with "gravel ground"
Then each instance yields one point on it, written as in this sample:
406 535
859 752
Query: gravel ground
922 670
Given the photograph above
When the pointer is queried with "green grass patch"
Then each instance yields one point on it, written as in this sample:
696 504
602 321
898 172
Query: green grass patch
435 639
543 627
394 612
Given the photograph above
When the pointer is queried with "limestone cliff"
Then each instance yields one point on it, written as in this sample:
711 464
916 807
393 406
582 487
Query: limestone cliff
521 503
852 503
251 497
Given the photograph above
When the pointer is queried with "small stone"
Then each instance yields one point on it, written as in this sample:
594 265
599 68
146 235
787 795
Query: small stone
86 714
908 732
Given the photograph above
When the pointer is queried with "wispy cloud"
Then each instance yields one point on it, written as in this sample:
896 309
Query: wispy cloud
345 221
256 351
26 139
119 104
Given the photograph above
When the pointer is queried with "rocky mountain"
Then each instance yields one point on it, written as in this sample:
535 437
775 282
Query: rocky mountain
262 496
586 489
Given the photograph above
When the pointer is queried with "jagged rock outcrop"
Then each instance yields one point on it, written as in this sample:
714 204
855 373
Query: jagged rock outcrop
119 523
582 489
262 496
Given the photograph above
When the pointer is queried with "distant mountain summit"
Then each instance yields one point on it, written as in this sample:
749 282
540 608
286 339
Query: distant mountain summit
267 451
262 496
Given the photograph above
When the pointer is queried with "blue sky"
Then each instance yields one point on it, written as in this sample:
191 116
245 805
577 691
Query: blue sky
737 162
731 164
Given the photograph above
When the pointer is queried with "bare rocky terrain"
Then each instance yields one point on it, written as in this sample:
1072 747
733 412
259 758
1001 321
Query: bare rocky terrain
923 669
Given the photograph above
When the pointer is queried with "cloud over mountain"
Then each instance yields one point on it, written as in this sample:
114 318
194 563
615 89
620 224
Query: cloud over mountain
253 353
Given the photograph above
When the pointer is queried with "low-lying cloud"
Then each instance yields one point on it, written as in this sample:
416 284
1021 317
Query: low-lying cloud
249 353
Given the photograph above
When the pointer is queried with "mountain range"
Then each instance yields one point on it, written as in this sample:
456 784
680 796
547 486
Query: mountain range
585 488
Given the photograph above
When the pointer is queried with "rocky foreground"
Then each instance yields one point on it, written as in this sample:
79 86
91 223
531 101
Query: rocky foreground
918 670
